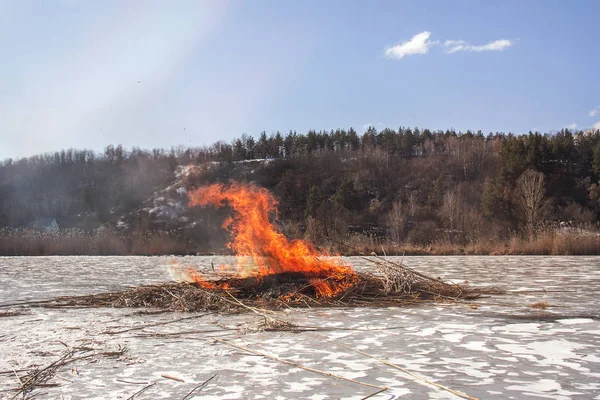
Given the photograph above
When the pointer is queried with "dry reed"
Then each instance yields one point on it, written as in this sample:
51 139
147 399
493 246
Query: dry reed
393 285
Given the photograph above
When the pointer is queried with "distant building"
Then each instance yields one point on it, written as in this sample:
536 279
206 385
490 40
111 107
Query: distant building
47 225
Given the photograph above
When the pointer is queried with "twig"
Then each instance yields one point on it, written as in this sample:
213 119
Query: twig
455 392
25 303
64 344
404 267
281 324
13 371
11 313
295 328
541 291
165 334
199 387
38 378
293 364
141 390
19 378
177 298
64 379
156 324
374 394
254 310
131 383
172 378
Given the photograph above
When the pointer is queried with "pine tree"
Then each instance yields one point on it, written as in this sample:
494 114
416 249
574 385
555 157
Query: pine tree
489 200
312 202
596 159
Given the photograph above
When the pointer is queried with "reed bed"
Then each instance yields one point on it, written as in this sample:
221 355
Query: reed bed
101 242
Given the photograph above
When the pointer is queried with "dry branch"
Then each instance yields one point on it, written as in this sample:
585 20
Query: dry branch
131 382
394 288
294 364
374 393
137 328
199 387
141 390
420 378
40 376
11 313
173 378
394 285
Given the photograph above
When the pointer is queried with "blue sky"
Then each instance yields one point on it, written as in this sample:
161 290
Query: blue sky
86 74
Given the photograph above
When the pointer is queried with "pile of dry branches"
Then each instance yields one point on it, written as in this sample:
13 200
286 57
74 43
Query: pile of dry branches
170 296
393 285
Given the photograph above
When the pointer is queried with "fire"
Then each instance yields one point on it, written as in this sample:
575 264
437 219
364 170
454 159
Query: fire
254 235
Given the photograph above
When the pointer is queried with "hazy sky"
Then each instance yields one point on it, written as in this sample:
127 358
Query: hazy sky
85 74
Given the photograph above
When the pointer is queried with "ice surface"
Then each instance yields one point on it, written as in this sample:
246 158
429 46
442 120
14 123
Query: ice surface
503 349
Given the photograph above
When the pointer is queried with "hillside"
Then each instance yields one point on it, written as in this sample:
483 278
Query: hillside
441 191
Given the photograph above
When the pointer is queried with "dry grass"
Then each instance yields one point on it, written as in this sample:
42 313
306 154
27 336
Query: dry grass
394 285
11 313
551 242
540 305
39 376
170 296
28 242
157 243
105 242
558 243
189 297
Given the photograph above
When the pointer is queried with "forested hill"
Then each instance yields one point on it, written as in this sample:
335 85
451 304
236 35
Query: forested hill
405 185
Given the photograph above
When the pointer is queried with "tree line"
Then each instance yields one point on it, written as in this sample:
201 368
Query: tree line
401 185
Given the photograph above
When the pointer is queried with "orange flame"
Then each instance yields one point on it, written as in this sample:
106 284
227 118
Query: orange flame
254 235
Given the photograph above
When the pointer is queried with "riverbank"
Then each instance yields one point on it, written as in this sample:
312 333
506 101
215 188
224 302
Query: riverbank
154 243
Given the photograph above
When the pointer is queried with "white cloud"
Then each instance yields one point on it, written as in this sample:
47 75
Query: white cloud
596 125
571 126
452 46
418 44
595 112
496 45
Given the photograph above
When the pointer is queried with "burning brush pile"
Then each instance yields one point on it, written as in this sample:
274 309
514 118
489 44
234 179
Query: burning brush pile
274 272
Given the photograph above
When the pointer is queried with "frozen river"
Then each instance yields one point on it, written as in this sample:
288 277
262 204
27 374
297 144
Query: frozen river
495 347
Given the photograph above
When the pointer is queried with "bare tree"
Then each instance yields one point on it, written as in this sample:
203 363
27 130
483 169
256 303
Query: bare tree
396 221
412 204
449 210
531 200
